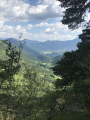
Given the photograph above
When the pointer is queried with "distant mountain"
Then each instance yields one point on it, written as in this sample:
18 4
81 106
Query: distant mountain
53 45
51 49
32 52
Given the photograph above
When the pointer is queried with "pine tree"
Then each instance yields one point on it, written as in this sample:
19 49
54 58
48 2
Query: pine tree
74 67
75 12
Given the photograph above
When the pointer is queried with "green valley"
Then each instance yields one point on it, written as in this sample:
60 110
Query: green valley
44 59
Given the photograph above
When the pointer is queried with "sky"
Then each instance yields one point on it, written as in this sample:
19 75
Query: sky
35 19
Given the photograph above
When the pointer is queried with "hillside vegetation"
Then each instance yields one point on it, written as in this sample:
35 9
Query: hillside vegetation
24 81
29 89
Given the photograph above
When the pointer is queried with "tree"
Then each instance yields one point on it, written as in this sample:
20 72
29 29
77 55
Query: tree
75 12
74 67
10 66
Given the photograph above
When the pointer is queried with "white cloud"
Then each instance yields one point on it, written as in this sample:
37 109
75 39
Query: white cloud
10 31
1 23
42 24
55 36
20 29
18 10
50 31
29 26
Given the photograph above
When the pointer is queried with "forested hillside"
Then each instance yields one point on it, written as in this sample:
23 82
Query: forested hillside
47 80
24 81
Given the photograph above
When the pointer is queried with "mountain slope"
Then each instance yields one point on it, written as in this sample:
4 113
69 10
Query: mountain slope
48 49
53 45
53 48
32 52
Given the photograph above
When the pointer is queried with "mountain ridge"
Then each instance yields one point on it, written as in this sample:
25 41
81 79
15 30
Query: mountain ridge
46 49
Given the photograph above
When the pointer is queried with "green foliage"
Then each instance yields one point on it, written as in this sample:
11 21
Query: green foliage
24 86
74 66
74 69
72 116
75 12
10 66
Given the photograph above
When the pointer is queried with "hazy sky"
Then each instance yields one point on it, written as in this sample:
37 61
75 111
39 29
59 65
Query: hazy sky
36 19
